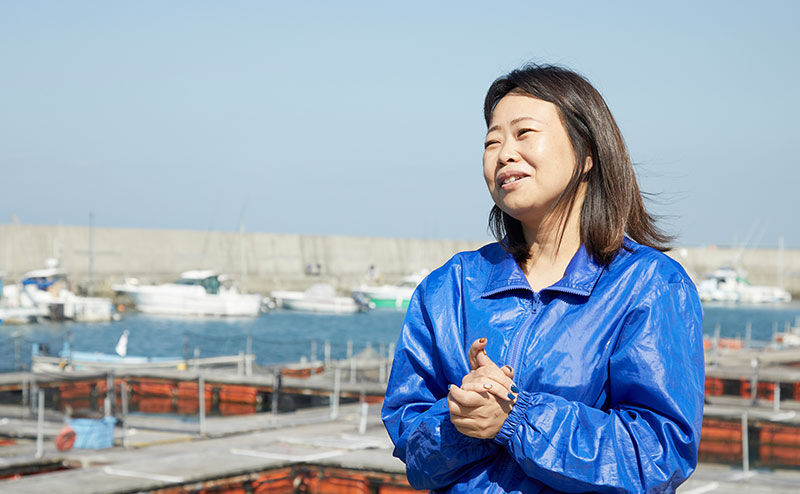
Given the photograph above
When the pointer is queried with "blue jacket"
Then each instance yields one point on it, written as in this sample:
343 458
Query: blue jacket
609 362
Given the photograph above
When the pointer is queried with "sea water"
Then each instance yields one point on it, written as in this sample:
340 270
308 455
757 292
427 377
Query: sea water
283 336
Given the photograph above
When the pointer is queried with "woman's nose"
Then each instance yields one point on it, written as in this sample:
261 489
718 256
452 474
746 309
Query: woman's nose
508 154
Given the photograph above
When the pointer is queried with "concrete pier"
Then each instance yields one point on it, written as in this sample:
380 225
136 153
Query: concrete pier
265 261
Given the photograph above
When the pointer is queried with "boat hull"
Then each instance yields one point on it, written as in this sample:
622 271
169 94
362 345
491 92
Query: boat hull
386 296
300 301
152 300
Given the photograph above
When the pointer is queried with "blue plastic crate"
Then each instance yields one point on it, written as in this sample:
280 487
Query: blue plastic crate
93 433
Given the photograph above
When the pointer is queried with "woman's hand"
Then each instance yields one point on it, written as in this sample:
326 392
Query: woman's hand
481 405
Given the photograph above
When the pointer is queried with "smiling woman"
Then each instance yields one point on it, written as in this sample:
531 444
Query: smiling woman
568 355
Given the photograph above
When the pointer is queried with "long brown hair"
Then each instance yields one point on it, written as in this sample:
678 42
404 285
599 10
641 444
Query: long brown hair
613 207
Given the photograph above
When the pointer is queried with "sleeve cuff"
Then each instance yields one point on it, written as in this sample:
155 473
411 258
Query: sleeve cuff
514 418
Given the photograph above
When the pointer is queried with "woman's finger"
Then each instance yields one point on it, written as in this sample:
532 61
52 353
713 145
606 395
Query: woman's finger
478 347
489 374
492 388
465 398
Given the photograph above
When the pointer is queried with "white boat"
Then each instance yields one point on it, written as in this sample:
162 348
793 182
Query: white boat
21 315
16 314
46 293
68 360
196 293
392 296
730 285
319 297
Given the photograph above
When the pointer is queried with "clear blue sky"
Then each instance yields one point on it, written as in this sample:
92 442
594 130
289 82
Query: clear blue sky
360 119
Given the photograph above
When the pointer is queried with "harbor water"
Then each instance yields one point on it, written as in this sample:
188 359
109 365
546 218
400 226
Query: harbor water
283 336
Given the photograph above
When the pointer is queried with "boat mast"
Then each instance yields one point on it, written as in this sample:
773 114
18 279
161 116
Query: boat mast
781 246
242 259
91 253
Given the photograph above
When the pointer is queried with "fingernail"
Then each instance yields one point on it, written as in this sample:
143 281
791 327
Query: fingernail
510 369
511 397
514 388
483 351
482 340
487 386
449 386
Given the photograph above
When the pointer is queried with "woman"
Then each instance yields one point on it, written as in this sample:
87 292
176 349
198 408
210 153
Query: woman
568 356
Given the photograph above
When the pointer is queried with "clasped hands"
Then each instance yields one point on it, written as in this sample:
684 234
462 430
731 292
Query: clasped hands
481 405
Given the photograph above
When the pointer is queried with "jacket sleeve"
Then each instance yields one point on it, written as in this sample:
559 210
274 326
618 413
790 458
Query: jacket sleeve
648 439
415 409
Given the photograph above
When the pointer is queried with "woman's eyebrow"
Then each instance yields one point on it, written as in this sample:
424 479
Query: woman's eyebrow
513 122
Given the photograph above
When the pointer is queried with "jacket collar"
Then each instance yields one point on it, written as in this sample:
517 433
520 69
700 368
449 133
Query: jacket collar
579 278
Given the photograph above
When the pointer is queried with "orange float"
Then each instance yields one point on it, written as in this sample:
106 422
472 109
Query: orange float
65 438
713 386
238 394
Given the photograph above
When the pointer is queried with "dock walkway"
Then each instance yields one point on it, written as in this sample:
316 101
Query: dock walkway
245 447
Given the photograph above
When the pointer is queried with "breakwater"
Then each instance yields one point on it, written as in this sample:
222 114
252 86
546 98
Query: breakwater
99 257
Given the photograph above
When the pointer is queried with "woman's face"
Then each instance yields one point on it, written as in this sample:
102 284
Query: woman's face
528 158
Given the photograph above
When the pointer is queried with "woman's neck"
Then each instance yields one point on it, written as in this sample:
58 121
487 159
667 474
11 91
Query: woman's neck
552 244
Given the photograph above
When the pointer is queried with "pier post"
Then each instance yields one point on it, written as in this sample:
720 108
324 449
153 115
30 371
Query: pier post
248 369
715 341
391 351
71 339
745 445
16 350
123 390
196 359
201 399
186 348
774 333
40 426
276 391
32 393
327 352
349 349
313 351
362 423
353 370
754 382
240 364
109 394
382 371
25 398
337 386
748 333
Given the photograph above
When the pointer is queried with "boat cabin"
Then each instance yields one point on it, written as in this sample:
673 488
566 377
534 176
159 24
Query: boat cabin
208 279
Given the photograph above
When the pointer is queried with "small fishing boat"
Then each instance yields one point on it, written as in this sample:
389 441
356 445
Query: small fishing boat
392 296
727 284
320 297
69 360
46 293
196 293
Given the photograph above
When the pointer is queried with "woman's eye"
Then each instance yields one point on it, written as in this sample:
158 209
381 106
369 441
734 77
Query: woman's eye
489 143
522 132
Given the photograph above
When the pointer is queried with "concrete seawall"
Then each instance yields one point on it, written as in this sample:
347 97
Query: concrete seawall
267 261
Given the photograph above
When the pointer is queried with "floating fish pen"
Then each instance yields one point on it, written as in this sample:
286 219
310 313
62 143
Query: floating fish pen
306 479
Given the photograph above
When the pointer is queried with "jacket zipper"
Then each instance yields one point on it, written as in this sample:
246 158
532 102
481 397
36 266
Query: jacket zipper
514 357
522 333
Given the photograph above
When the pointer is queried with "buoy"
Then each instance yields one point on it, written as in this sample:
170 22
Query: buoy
65 438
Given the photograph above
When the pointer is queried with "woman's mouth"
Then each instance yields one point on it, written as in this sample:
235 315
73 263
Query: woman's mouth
510 181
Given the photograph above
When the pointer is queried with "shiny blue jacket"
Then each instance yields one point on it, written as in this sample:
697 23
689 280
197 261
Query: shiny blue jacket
609 362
